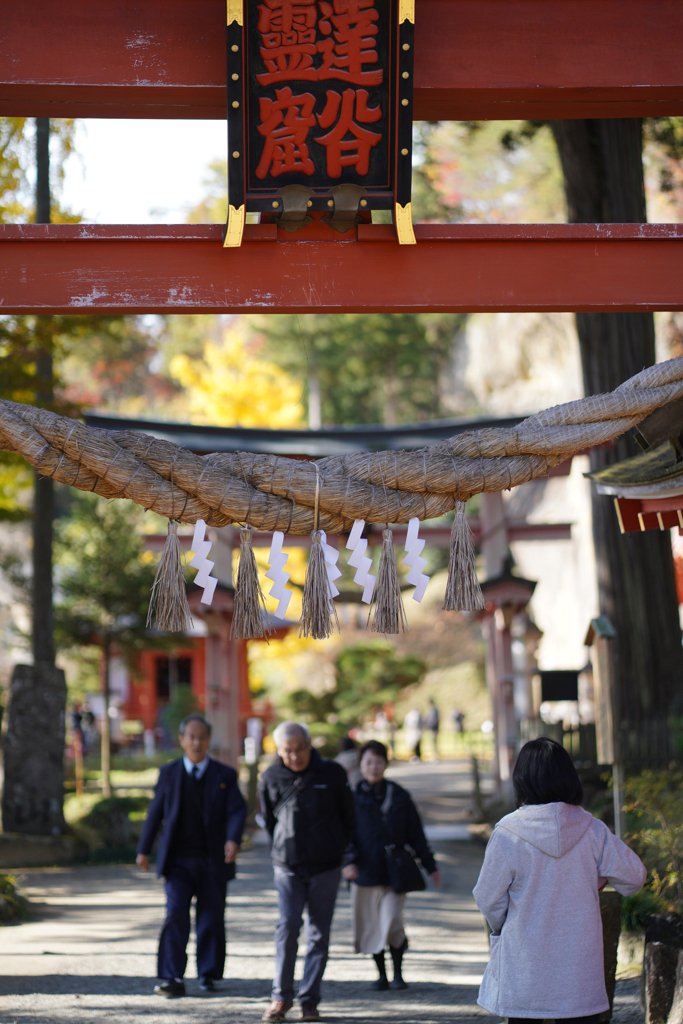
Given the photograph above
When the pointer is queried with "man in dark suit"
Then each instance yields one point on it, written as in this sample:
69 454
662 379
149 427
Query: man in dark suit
203 812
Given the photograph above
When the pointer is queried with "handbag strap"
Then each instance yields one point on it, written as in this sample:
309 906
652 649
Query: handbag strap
386 803
384 812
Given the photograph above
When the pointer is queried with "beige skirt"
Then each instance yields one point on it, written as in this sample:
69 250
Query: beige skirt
377 918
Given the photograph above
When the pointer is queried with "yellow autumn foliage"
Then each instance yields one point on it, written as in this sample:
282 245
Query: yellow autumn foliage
230 386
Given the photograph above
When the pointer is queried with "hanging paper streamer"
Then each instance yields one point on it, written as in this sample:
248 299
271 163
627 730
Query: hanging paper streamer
200 549
358 560
331 559
414 560
277 561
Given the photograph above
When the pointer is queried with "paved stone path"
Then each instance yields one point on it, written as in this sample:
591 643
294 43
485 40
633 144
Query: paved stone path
88 954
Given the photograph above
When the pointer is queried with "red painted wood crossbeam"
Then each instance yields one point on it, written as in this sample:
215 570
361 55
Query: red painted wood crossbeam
641 514
182 269
474 59
435 536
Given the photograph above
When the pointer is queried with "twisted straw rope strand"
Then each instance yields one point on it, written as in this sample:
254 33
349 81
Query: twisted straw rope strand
275 493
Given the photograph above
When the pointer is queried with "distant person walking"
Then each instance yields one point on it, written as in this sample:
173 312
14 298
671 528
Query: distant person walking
412 726
544 867
77 727
199 803
309 812
459 720
349 760
432 723
87 726
385 816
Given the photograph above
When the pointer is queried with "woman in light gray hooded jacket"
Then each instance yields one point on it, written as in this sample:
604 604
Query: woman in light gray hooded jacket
539 887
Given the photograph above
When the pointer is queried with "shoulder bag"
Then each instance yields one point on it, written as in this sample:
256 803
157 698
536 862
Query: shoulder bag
403 869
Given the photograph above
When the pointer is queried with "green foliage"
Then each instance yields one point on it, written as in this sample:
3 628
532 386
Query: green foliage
13 906
111 825
213 209
368 675
668 133
13 160
655 800
184 703
17 153
108 355
104 579
636 909
371 368
487 172
16 488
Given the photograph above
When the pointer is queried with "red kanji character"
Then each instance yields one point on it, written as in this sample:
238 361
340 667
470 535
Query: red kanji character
288 36
285 124
355 30
288 64
287 16
357 149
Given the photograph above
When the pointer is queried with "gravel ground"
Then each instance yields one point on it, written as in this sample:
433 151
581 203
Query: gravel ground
88 953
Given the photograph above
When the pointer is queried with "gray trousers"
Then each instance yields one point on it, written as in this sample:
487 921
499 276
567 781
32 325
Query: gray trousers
318 894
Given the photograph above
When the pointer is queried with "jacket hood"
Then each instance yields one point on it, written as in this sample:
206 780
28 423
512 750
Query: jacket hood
554 829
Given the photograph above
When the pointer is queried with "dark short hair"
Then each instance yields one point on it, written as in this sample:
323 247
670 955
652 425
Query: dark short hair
346 743
193 718
545 774
373 747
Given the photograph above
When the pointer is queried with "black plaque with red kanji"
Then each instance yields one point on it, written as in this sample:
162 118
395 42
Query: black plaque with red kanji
319 95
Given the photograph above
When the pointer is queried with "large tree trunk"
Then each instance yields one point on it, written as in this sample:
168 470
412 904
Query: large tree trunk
43 500
34 747
603 172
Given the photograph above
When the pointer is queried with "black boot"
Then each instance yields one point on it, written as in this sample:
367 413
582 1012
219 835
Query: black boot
382 982
397 959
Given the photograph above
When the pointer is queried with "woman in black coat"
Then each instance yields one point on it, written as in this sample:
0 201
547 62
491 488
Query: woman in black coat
385 815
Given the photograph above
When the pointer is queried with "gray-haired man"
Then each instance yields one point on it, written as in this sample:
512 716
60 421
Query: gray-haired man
309 813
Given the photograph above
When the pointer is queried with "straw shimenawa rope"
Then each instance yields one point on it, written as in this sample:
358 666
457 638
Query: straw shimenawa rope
272 493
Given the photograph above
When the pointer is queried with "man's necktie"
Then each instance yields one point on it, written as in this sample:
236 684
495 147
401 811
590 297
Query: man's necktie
195 772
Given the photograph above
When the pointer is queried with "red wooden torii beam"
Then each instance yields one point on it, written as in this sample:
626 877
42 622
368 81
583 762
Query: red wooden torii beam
183 268
474 59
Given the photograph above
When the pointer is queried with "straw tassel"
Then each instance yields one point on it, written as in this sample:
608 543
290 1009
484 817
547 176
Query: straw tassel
318 614
250 619
463 593
388 614
168 605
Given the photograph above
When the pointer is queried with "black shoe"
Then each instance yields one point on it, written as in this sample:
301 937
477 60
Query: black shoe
382 982
397 959
171 989
206 984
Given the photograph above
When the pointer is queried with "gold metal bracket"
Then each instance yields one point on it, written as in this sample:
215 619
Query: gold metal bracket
235 12
403 219
406 11
233 236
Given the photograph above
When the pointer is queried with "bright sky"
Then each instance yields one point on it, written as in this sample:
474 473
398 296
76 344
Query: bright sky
140 172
